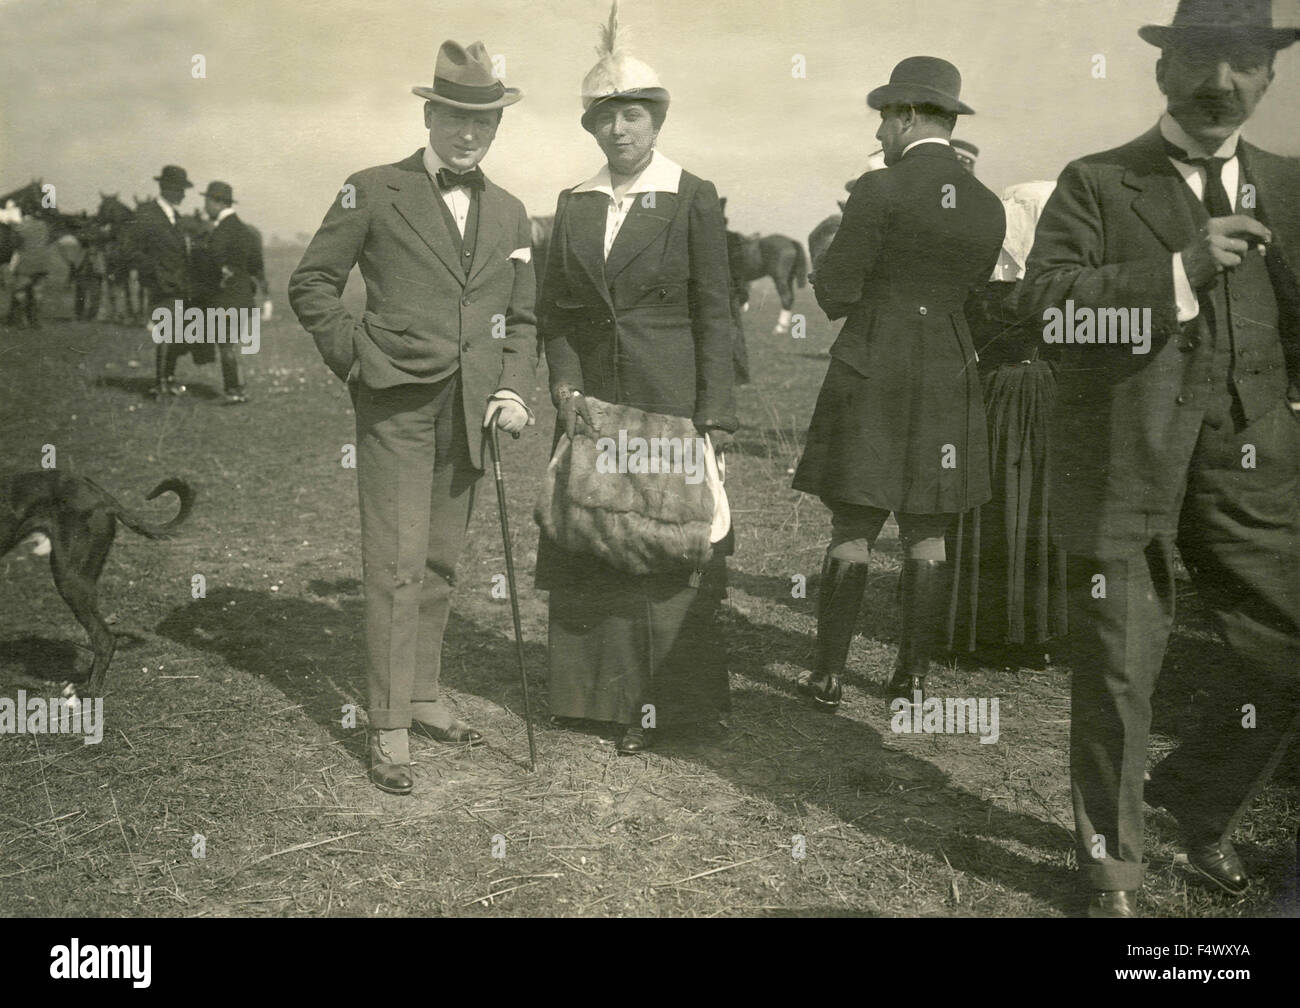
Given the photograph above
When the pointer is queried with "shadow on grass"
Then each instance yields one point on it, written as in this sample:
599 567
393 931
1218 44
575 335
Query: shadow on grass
778 749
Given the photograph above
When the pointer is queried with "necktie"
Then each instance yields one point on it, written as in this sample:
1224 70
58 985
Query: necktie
450 179
1216 196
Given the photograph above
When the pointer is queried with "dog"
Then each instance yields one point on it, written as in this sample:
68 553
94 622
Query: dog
75 521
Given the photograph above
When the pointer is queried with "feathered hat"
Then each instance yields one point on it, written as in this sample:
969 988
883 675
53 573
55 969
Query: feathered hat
618 74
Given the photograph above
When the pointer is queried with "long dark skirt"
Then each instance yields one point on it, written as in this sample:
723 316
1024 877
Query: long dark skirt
619 642
1009 585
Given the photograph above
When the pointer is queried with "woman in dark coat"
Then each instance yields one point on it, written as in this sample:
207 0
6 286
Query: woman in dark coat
635 309
1008 600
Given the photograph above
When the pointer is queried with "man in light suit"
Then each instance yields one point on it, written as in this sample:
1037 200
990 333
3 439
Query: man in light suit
1186 437
446 346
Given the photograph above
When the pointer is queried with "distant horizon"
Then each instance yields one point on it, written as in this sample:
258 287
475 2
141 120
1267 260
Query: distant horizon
293 100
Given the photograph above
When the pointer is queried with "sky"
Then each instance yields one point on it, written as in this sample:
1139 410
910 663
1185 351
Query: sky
296 96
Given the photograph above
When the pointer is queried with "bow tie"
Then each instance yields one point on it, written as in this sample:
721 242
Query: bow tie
448 179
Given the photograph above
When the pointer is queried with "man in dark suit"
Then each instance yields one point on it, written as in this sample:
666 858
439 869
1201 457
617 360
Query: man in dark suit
163 257
232 261
446 346
899 424
1184 438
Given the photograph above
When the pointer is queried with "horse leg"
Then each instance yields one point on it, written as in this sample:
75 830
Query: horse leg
786 294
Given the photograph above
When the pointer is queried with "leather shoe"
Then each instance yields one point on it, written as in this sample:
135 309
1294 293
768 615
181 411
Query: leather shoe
458 733
825 694
1215 859
635 739
905 687
1112 903
390 761
1218 862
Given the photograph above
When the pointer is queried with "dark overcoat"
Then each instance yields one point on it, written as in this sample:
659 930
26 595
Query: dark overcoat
1124 432
899 423
161 254
230 261
651 326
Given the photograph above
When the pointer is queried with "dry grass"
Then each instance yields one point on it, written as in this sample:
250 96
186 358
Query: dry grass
224 713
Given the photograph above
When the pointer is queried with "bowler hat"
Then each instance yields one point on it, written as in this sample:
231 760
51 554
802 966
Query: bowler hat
1271 22
463 78
173 177
220 191
922 80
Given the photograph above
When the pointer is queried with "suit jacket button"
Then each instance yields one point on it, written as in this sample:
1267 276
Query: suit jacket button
464 301
1181 400
921 309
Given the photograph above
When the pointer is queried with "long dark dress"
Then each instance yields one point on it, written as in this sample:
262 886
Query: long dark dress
1009 567
650 327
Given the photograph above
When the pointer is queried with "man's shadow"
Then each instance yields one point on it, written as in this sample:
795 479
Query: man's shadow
781 751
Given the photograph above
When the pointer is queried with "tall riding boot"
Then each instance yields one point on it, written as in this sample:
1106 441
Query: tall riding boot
838 602
924 594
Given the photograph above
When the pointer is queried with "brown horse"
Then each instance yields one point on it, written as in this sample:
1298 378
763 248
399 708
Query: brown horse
752 257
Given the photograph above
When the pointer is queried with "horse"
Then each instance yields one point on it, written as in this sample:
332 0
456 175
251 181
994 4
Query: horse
820 238
32 239
120 276
542 228
752 257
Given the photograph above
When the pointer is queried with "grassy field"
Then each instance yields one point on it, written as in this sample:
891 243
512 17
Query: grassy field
224 712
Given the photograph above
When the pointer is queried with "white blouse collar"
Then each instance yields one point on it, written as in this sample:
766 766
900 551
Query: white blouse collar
661 175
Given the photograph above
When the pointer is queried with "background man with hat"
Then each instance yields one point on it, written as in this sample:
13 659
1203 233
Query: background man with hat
232 260
445 347
899 425
1192 445
163 257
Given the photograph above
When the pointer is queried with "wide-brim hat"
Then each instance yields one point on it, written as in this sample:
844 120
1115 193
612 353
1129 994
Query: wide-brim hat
618 75
1271 22
922 80
173 177
463 78
219 191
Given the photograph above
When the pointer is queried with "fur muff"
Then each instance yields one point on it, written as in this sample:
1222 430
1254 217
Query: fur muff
632 493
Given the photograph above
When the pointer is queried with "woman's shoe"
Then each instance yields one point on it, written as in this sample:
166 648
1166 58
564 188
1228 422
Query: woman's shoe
635 739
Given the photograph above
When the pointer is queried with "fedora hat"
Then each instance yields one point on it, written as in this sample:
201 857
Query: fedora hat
172 177
618 75
463 78
922 80
219 191
1272 22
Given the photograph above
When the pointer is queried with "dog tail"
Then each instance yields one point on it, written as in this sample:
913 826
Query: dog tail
180 488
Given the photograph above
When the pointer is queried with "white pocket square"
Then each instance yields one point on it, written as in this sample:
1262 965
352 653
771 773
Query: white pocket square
524 254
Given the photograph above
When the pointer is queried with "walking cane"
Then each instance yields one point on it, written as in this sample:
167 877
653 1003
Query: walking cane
514 599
